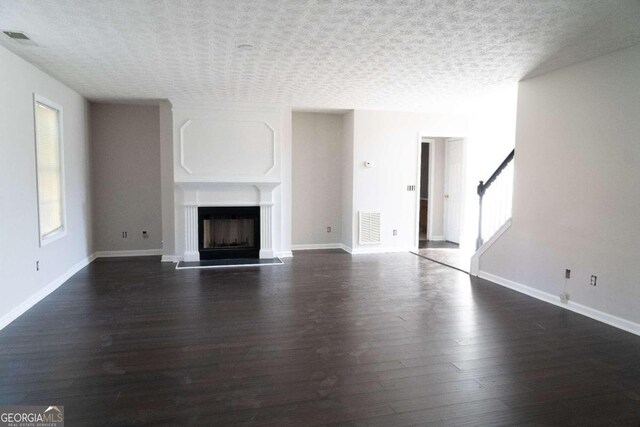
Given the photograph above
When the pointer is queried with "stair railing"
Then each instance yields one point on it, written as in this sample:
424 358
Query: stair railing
498 201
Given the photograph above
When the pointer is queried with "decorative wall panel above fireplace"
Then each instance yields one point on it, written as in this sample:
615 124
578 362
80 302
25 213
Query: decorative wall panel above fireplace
227 148
222 145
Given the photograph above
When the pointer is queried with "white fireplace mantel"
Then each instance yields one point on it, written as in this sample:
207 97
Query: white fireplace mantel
192 190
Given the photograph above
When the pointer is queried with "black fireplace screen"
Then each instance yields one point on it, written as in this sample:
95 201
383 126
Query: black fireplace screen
229 232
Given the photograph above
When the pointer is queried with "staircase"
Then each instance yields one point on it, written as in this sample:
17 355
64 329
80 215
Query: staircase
495 197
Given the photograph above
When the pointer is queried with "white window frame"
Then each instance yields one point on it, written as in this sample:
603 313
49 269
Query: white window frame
61 232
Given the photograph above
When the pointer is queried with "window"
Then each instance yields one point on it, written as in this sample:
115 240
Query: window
50 176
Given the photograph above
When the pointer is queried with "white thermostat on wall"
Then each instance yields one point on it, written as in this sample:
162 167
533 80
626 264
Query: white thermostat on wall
368 164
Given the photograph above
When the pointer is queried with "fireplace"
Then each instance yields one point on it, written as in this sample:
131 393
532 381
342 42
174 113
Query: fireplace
229 232
205 199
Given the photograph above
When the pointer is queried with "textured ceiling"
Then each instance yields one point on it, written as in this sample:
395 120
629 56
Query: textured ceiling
394 54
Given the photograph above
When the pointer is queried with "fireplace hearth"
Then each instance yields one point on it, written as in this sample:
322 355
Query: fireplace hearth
229 232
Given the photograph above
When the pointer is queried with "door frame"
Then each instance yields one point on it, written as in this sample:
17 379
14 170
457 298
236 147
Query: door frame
431 141
463 189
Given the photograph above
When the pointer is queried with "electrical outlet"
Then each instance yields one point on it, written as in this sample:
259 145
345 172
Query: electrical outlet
567 274
145 234
594 280
395 232
37 265
124 234
564 298
328 229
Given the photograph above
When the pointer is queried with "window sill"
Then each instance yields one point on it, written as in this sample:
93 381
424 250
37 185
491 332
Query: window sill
52 237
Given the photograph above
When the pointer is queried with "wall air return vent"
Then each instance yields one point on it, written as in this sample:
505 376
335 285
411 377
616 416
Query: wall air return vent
369 228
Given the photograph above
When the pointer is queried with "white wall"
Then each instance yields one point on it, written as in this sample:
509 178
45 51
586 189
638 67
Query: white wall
347 179
317 178
391 141
577 188
125 154
20 284
285 189
166 184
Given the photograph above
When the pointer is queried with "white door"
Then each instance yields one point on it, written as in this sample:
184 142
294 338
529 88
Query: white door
453 190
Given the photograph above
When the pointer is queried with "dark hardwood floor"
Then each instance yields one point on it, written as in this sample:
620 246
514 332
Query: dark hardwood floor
326 338
437 244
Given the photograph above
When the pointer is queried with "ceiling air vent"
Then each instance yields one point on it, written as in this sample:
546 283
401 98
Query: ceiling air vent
19 37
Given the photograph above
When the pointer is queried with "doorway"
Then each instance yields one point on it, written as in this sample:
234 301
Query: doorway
441 200
423 223
441 195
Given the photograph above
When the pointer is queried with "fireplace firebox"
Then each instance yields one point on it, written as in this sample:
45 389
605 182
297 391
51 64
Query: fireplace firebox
229 232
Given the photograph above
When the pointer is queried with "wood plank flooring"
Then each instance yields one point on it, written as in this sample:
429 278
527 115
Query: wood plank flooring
452 257
325 339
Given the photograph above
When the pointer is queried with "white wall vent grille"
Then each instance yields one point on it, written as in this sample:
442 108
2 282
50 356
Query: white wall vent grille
369 229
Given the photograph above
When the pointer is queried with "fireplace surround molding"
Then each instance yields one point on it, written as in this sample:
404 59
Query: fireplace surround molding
231 154
192 200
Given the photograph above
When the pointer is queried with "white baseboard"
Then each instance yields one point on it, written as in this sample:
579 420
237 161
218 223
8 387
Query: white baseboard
609 319
475 259
379 250
42 293
436 238
140 252
284 254
316 246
